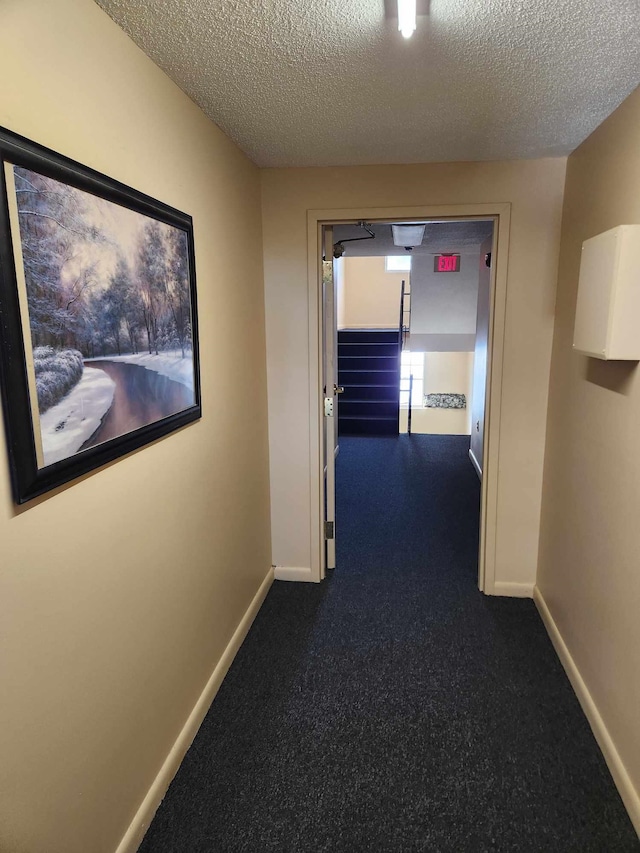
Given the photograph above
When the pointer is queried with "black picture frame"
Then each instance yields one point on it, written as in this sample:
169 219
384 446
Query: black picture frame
31 474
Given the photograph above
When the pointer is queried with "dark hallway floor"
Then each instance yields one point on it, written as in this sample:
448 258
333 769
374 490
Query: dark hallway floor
394 707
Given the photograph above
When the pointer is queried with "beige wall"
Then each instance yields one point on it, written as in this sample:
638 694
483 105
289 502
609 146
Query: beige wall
119 593
589 571
444 373
371 294
534 188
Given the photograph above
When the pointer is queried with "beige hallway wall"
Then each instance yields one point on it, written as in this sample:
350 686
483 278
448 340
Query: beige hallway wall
119 593
534 188
444 373
589 572
371 294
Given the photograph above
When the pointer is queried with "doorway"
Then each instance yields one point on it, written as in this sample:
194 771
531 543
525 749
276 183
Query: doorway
496 217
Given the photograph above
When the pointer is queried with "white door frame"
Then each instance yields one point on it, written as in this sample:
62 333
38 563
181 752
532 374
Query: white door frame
329 382
501 214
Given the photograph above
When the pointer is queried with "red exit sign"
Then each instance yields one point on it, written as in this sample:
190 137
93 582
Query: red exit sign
446 263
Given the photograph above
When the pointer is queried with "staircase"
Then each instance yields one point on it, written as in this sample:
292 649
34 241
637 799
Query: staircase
369 371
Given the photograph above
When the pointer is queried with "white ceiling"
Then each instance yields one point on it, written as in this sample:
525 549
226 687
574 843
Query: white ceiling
332 82
460 237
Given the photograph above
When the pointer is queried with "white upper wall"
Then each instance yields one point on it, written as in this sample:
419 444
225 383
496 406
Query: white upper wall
444 304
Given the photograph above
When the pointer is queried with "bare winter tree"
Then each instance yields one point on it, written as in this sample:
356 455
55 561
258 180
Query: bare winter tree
177 287
123 306
151 273
52 231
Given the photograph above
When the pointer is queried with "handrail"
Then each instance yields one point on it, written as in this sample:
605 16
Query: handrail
405 296
400 346
402 338
409 409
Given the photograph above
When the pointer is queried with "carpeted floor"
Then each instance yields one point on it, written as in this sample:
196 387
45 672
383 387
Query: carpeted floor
393 707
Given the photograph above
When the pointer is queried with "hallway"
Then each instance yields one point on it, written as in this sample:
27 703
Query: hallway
394 707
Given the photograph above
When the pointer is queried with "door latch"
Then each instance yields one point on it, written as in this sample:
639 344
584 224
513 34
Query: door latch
328 407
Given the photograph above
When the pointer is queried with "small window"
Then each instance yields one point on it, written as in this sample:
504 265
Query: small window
397 263
412 364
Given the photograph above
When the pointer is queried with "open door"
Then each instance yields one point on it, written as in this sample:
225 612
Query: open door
330 390
478 397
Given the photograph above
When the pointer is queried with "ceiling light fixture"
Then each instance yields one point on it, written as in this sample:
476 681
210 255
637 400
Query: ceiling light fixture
407 17
408 235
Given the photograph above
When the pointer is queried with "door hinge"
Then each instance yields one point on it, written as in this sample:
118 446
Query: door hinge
328 530
328 407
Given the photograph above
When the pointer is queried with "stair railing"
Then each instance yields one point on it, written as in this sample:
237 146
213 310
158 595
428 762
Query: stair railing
409 409
405 313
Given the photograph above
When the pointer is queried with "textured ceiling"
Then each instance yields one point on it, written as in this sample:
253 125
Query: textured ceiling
461 237
332 82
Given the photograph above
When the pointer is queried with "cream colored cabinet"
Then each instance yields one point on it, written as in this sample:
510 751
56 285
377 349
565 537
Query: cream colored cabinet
607 324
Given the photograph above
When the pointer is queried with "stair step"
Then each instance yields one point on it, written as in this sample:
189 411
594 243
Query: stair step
367 408
367 336
366 426
372 344
376 402
368 362
368 377
376 418
364 348
370 392
386 374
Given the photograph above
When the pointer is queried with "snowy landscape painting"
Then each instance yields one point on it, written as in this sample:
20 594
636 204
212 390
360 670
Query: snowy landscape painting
109 293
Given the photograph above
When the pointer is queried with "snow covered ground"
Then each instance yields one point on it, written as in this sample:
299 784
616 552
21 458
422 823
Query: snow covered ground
170 364
66 426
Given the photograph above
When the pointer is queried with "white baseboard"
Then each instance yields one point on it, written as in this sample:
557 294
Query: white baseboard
292 573
513 590
139 825
475 464
630 797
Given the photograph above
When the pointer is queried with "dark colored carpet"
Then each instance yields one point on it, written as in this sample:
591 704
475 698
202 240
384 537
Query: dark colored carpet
394 707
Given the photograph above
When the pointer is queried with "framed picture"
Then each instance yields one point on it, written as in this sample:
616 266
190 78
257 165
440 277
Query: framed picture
98 321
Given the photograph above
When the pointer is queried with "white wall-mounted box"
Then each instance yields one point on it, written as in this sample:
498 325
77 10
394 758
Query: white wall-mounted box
607 322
